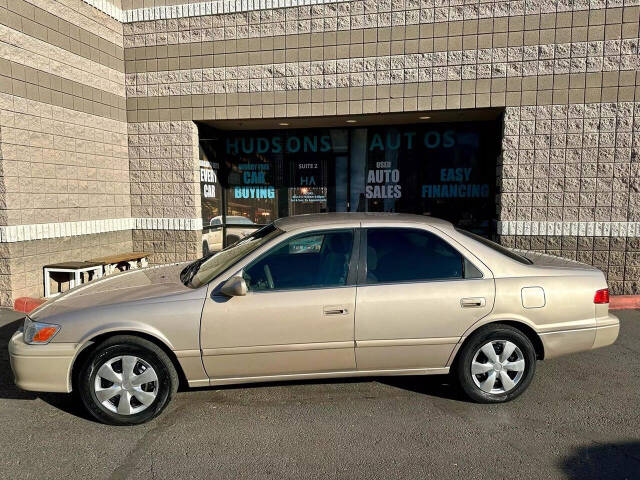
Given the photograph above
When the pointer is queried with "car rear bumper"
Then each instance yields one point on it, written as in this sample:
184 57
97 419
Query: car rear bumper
41 368
579 340
606 331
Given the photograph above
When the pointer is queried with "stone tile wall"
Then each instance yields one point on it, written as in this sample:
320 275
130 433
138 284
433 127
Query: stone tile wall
369 57
21 262
165 183
61 165
575 164
169 246
566 74
63 135
92 104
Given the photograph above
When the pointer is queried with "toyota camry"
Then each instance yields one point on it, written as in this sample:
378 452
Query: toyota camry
313 297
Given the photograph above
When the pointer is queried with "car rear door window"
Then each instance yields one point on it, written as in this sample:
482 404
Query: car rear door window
316 260
403 255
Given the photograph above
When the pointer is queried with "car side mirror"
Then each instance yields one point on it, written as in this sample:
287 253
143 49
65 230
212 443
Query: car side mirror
234 287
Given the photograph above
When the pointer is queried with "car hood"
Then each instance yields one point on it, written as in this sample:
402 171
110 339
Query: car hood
132 285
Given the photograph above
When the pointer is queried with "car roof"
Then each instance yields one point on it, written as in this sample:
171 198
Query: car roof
318 219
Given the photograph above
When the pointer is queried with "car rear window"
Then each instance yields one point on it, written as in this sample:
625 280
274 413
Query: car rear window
498 248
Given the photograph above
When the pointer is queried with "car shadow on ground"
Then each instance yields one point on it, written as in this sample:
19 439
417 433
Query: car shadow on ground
68 403
429 385
606 460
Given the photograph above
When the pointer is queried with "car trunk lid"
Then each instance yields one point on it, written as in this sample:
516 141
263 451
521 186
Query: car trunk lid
545 260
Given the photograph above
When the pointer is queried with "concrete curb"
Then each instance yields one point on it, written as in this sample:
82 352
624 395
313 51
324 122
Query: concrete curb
624 302
617 302
27 304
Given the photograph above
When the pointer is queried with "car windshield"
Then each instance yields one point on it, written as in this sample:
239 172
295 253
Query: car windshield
498 248
203 270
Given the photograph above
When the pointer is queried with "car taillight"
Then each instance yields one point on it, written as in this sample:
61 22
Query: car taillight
602 296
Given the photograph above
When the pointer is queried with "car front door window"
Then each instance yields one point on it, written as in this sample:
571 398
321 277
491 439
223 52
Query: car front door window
316 260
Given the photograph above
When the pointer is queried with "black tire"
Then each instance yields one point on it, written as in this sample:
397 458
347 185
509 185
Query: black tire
164 388
498 332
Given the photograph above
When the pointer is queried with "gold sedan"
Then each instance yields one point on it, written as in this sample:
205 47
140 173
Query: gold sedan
316 296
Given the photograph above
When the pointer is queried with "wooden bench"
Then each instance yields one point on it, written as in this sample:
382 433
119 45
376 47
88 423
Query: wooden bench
122 261
75 271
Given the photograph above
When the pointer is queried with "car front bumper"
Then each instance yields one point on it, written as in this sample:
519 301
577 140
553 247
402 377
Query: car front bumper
41 368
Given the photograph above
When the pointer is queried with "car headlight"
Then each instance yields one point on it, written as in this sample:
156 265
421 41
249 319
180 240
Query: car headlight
36 333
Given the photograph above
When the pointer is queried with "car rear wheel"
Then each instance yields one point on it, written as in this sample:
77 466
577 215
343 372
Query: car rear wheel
496 365
126 380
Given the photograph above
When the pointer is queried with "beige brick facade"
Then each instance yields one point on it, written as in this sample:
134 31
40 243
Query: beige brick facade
98 111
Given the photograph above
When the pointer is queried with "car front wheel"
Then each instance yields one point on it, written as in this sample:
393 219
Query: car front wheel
126 380
496 365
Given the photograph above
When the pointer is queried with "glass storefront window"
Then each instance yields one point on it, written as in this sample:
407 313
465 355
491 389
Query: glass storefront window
443 170
210 196
446 171
267 175
249 187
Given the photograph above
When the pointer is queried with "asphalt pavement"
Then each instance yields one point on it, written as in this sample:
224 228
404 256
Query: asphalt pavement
580 419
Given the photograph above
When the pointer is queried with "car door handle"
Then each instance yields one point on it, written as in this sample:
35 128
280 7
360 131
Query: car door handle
472 302
335 311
